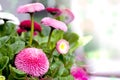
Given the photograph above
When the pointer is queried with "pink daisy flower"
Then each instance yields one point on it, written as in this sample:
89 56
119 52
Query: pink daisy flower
31 8
62 46
68 16
47 21
79 73
54 11
33 61
26 25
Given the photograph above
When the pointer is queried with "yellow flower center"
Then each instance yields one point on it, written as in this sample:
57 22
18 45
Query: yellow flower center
62 46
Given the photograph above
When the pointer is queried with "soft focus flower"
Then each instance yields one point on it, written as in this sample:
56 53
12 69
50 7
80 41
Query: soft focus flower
26 25
33 61
47 21
30 8
79 73
9 18
62 46
19 31
68 16
54 11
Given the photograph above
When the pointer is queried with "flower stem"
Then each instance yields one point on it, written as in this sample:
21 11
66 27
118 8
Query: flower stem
32 28
50 36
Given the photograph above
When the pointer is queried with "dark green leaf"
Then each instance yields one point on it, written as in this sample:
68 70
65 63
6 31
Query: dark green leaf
6 50
17 74
17 46
3 62
71 37
3 40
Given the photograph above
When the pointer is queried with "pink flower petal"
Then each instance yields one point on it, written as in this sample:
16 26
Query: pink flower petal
79 73
33 61
47 21
68 15
30 8
62 46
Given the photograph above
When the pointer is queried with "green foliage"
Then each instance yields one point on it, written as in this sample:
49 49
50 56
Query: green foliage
10 44
3 62
16 74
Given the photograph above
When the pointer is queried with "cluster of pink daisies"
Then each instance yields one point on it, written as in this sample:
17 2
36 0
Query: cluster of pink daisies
34 61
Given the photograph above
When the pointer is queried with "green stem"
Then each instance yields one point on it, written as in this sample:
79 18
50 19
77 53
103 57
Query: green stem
32 28
50 36
0 72
51 52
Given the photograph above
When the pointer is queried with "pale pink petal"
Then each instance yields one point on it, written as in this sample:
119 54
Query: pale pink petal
68 15
30 8
47 21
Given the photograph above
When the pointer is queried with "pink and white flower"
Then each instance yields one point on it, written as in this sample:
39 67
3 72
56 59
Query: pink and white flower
33 61
62 46
31 8
47 21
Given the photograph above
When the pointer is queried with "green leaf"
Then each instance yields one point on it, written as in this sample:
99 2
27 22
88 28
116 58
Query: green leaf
6 50
3 62
3 40
10 28
56 35
17 74
65 78
41 40
17 46
57 68
72 38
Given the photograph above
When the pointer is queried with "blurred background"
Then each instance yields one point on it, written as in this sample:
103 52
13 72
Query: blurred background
99 18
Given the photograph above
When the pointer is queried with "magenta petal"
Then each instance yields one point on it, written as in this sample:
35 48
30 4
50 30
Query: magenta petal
79 73
54 11
30 8
26 25
33 61
19 31
47 21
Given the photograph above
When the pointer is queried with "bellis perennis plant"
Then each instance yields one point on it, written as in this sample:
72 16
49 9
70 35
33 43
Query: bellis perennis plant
27 52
